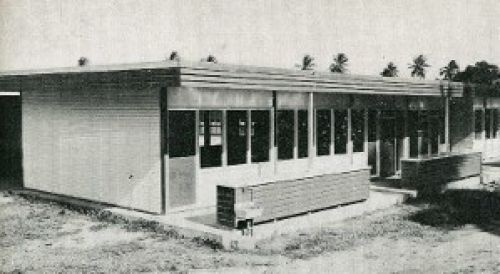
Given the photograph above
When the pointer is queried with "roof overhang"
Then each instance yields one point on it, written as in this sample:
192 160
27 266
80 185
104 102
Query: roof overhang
208 75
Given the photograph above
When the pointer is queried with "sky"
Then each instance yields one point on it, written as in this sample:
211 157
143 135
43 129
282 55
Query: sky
274 33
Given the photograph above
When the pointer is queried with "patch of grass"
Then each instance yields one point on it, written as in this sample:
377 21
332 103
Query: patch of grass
98 227
354 232
208 241
457 208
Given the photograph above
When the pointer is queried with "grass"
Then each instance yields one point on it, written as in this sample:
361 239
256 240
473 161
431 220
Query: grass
358 231
43 236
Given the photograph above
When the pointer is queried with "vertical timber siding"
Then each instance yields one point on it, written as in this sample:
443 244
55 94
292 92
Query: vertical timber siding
430 175
95 137
286 198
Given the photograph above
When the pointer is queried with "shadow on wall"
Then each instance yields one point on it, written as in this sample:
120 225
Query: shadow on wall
456 208
10 142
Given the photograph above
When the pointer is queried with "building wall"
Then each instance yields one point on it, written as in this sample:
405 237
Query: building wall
273 169
96 139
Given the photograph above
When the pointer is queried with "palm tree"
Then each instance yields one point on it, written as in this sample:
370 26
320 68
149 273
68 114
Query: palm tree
450 71
210 59
339 64
418 66
83 61
174 56
390 71
307 63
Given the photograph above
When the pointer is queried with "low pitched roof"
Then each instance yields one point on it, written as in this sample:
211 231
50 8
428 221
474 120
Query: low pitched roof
224 76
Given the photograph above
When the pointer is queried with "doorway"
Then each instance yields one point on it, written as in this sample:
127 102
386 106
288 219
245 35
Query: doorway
182 159
10 142
391 142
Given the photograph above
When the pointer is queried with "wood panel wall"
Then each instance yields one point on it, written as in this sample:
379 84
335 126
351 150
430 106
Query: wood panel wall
286 198
95 136
430 175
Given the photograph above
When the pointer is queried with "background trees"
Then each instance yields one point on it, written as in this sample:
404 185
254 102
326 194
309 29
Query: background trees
174 56
480 73
83 61
307 63
449 71
339 64
210 59
390 71
418 66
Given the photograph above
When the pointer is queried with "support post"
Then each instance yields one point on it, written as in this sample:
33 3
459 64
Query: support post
349 135
164 153
406 137
295 134
224 137
365 143
447 141
249 136
332 132
483 128
378 143
429 140
310 129
274 133
420 140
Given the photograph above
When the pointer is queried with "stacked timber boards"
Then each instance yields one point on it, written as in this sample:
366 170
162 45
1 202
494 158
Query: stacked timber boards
287 198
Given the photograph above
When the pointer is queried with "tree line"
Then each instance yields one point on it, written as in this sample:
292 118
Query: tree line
484 75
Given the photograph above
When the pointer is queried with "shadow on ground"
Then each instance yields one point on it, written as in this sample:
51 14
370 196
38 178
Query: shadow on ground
456 208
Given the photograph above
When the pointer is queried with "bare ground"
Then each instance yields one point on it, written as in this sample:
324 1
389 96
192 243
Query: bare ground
459 232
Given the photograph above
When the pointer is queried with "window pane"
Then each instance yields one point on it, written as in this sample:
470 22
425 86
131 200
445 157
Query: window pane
323 131
478 123
182 136
433 133
285 127
303 134
423 126
358 130
442 139
494 130
412 131
210 138
260 134
237 128
340 131
372 126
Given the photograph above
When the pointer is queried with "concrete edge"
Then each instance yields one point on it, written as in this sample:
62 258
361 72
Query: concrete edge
407 192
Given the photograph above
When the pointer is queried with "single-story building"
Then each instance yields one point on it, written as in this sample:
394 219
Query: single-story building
162 136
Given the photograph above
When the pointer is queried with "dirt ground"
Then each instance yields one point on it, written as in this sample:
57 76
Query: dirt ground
457 233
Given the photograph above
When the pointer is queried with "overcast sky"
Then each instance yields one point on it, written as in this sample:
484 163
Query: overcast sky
277 33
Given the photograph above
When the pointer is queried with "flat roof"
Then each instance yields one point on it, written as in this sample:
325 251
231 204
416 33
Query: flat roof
203 74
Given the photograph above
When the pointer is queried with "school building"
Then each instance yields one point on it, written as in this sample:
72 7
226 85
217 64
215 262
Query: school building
164 136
